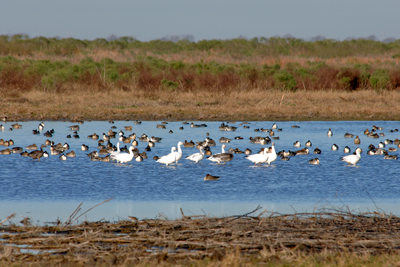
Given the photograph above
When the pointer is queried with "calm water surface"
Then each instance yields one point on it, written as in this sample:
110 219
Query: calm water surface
53 188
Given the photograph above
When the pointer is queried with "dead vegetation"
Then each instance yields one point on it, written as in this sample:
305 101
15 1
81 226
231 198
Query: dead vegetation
257 104
334 238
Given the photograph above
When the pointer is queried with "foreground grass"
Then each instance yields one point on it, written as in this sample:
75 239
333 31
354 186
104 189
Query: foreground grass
114 104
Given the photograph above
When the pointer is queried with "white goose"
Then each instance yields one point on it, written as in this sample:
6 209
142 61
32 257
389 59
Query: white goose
168 159
258 158
125 157
196 157
353 159
272 156
178 154
114 153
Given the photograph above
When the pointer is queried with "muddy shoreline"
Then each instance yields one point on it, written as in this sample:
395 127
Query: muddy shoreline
256 237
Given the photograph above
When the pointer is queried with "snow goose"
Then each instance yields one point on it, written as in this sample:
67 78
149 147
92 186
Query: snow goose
168 159
178 154
271 155
114 153
196 157
353 159
125 157
221 157
258 158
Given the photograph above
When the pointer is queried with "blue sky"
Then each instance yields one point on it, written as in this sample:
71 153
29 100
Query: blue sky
205 19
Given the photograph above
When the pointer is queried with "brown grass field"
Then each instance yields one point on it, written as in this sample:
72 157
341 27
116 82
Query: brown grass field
256 104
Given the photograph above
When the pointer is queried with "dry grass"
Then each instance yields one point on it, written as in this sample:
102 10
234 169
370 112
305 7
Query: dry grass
306 239
77 102
384 60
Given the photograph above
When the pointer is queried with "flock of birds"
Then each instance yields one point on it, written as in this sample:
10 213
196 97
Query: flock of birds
266 155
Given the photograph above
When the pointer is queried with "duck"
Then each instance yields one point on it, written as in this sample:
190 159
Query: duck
258 158
24 154
335 147
5 151
143 154
272 156
17 149
225 140
32 147
247 151
221 157
353 159
37 154
128 128
196 157
210 177
303 151
274 126
155 139
271 133
71 154
63 157
308 143
314 161
390 157
169 158
357 140
189 144
105 159
178 154
346 149
139 158
73 127
297 144
317 151
329 133
283 158
135 143
125 157
161 126
381 145
132 136
366 132
348 135
144 138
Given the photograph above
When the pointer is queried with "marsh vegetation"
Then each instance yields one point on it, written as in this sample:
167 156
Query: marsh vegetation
210 79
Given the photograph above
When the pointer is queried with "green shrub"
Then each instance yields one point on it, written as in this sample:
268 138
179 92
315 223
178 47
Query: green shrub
380 78
285 80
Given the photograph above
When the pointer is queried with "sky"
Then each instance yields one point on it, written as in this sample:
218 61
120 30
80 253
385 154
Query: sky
147 20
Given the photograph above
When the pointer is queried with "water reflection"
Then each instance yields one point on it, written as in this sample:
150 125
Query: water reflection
57 187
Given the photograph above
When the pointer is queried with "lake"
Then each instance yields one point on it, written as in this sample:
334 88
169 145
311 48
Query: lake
51 188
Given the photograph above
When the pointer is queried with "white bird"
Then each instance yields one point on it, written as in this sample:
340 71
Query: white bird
272 156
114 153
258 158
221 157
125 157
168 159
178 154
353 159
196 157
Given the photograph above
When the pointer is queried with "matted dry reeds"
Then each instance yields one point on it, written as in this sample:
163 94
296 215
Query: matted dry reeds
252 237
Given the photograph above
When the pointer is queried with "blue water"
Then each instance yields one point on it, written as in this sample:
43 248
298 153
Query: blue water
52 182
